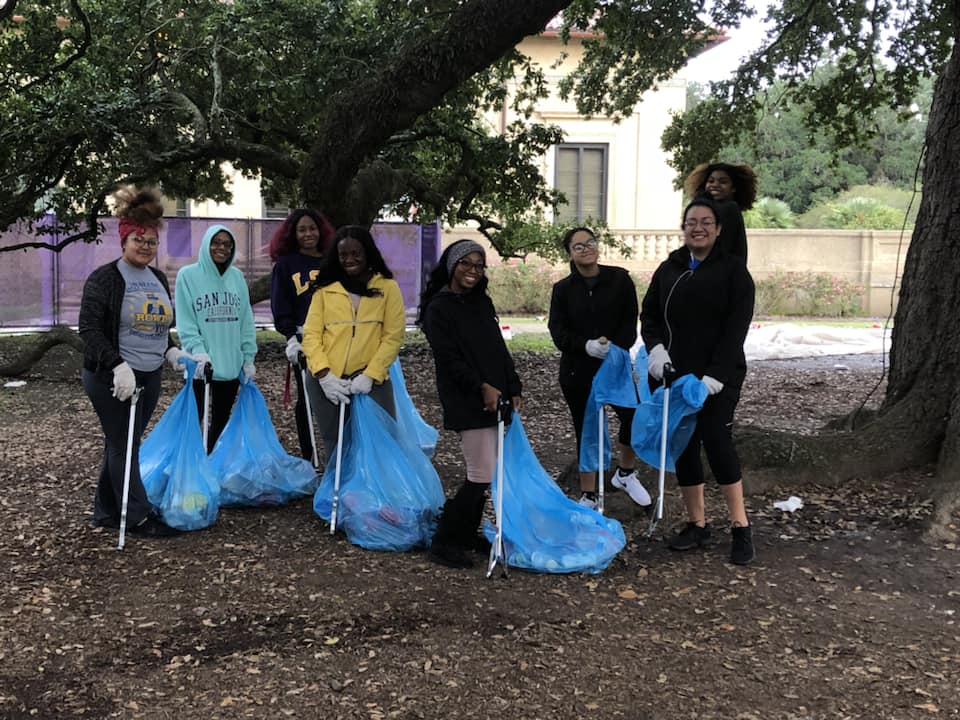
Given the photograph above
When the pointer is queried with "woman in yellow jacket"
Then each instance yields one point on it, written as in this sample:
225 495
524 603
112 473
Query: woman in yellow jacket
353 330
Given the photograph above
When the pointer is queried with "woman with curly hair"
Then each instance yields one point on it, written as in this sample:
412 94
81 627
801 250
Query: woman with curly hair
125 320
297 249
733 189
353 329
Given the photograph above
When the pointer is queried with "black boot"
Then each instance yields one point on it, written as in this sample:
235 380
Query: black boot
447 547
479 543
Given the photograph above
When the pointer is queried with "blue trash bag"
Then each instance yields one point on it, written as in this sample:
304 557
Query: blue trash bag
390 494
543 529
687 395
615 384
174 467
408 418
249 461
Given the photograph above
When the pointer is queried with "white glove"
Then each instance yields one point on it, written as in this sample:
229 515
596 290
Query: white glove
336 390
202 360
713 385
656 359
597 349
249 370
124 382
173 357
293 350
361 385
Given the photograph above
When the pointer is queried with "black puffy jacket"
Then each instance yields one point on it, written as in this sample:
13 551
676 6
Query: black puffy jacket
700 316
468 350
579 313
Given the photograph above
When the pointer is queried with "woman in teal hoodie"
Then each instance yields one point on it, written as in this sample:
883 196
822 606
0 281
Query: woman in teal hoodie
215 324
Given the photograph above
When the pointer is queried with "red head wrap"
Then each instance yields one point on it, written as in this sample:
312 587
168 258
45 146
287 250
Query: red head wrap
128 226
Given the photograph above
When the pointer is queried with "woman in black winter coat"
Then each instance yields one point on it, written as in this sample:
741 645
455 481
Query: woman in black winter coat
474 370
695 316
594 306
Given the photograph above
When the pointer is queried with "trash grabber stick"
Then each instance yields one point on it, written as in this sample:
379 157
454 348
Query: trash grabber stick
668 377
497 552
128 467
600 437
336 475
306 401
207 378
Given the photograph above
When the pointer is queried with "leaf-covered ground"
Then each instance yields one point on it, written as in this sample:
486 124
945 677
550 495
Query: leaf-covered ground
845 614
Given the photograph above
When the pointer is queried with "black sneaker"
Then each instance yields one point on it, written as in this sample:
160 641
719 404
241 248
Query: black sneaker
153 527
452 556
692 536
741 546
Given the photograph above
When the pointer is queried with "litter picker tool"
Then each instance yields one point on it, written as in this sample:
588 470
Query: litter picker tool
207 379
669 375
497 553
336 474
127 467
315 458
601 434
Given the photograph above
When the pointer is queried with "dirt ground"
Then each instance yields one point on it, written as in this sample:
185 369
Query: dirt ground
845 614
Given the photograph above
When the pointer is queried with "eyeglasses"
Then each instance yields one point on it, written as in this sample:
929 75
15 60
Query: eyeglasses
584 246
221 243
705 224
144 242
468 266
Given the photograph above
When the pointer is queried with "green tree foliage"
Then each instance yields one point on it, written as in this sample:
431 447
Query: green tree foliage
770 213
860 213
803 165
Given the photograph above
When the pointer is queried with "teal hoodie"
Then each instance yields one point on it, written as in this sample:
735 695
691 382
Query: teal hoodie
213 311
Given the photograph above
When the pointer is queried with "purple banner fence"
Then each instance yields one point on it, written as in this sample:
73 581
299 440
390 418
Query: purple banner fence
40 288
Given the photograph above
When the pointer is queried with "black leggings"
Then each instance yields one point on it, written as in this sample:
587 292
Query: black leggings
714 433
222 395
577 397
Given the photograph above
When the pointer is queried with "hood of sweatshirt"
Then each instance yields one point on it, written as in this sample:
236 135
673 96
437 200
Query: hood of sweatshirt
204 258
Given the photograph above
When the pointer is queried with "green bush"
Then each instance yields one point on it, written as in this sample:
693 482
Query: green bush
809 294
887 196
522 287
861 213
770 213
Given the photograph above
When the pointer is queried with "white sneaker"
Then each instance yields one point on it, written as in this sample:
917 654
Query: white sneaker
587 502
635 489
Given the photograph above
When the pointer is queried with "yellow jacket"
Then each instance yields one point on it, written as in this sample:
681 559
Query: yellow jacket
346 340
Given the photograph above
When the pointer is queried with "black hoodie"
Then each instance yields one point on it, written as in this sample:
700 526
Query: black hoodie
700 316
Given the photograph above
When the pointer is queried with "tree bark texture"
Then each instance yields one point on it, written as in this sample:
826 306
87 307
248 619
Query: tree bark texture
361 119
59 334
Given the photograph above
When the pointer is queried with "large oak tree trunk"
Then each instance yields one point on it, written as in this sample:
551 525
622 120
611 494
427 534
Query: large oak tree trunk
360 120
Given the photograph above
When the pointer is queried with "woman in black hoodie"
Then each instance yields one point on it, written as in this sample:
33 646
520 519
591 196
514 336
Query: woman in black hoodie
474 370
695 316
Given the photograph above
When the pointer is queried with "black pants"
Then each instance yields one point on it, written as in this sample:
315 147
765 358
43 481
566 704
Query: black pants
577 396
222 395
114 419
714 433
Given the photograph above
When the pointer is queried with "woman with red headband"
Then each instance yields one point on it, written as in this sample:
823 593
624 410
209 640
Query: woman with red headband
125 319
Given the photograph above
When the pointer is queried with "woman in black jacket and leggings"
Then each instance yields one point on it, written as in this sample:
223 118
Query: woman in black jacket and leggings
695 316
474 370
593 306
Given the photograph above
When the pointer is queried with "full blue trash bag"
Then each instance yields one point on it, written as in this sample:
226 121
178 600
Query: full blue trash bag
543 529
408 418
613 384
174 467
250 463
390 494
687 395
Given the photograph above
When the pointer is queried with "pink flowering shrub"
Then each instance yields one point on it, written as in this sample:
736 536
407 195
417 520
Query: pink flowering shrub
809 294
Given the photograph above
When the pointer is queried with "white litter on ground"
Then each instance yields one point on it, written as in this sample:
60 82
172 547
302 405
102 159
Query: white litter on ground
791 504
780 341
15 383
